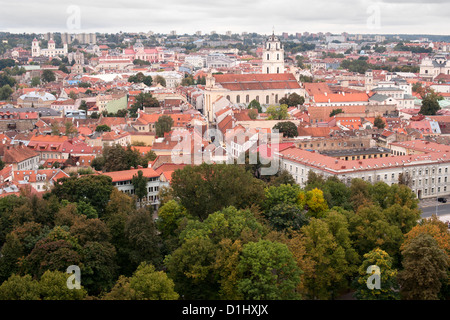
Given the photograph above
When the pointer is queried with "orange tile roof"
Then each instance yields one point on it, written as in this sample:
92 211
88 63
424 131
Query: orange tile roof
127 175
240 82
18 154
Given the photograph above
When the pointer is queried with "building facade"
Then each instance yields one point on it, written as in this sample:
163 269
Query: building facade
273 56
428 172
243 88
51 50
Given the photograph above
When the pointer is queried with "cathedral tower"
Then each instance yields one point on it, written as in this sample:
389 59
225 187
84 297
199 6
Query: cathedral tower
273 56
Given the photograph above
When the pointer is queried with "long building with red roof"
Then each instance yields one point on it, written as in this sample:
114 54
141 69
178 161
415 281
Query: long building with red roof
243 88
428 169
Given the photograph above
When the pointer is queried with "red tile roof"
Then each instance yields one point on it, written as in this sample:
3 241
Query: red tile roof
241 82
127 175
18 154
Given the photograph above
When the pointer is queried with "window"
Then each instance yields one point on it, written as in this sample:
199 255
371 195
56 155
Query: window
247 98
276 97
267 97
268 54
278 56
238 99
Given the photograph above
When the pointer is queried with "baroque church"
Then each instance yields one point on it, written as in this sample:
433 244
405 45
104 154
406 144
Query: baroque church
267 87
51 50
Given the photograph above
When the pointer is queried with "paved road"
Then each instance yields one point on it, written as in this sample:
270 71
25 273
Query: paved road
430 209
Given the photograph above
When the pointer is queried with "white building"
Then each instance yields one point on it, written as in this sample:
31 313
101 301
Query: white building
122 181
50 52
196 61
243 88
432 67
273 56
428 169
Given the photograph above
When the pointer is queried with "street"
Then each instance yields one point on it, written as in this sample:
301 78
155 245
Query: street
432 207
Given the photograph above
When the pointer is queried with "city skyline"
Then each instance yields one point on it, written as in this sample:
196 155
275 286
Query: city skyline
365 17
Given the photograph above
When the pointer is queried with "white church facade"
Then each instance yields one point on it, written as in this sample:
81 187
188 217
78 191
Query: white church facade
273 56
51 50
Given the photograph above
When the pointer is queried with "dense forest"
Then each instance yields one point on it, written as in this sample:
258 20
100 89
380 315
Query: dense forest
222 233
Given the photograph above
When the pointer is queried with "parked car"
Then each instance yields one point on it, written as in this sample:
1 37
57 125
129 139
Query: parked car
443 200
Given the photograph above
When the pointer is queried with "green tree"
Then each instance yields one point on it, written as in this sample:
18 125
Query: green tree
283 194
159 79
145 284
430 104
58 250
48 76
99 266
103 128
71 130
5 92
278 112
139 183
328 244
370 229
389 289
229 223
424 267
208 188
143 241
35 81
163 125
63 68
92 189
53 286
287 128
191 267
255 105
20 288
286 216
293 100
11 251
169 218
269 272
379 123
336 112
187 81
143 100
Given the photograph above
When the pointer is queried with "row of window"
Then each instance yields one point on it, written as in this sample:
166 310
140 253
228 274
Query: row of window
247 99
385 176
26 164
332 144
444 189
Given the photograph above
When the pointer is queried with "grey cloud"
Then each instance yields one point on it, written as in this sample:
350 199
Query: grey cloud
396 16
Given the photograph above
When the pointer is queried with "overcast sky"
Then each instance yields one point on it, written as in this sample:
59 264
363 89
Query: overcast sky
189 16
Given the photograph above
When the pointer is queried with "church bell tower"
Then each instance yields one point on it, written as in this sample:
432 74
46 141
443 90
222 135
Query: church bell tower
273 56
